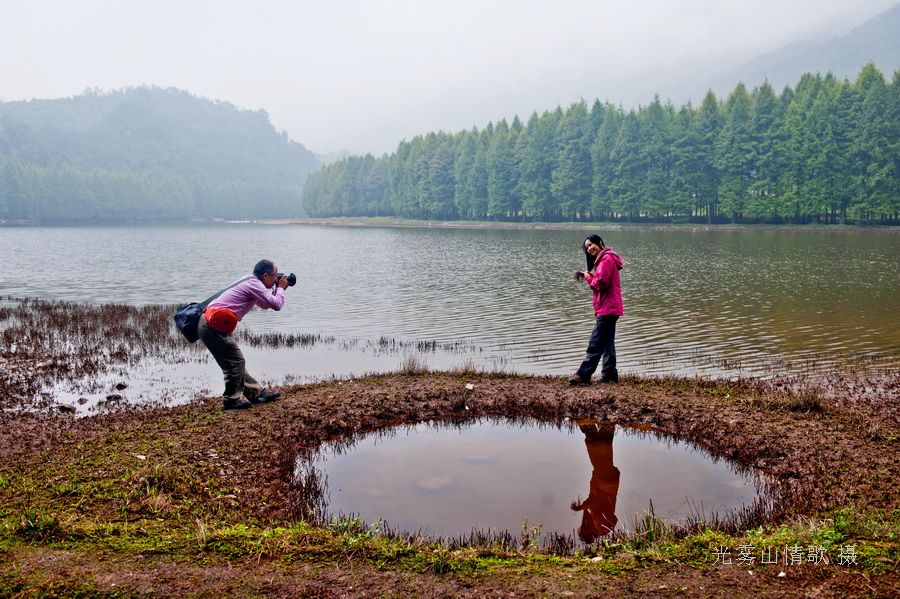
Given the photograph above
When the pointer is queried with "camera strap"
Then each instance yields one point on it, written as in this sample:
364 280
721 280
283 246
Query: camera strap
207 301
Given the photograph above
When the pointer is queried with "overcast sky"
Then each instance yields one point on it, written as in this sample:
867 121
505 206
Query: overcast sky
361 75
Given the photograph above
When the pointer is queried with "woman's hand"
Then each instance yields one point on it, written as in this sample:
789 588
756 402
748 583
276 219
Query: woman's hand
579 275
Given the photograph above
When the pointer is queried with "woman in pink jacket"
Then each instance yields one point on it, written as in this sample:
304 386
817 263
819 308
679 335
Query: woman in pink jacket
602 276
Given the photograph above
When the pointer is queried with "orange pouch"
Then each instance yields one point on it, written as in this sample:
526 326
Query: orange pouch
221 320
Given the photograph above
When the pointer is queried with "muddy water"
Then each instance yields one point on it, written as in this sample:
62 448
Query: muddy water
584 479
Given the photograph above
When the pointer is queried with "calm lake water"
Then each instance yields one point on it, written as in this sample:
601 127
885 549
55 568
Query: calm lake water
698 303
583 480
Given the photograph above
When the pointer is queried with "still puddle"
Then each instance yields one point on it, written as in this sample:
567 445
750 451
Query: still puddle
582 480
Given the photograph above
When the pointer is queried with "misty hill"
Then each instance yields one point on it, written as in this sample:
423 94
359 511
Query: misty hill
877 41
145 153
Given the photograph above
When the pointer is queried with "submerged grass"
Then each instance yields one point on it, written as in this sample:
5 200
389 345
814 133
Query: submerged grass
43 342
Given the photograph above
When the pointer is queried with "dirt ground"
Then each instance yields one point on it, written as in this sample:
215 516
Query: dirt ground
826 447
160 577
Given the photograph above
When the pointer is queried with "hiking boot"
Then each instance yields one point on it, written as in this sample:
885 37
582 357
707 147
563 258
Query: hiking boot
576 379
236 403
266 396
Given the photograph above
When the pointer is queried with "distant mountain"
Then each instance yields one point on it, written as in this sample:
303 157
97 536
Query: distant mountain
146 153
877 40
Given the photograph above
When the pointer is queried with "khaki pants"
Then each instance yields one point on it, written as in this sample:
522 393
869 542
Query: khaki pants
230 359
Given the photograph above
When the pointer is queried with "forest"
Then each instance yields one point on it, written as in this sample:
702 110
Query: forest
145 154
822 151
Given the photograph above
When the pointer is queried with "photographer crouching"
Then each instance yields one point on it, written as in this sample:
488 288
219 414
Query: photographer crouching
264 289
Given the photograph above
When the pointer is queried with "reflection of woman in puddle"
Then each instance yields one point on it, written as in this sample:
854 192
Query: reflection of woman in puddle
599 509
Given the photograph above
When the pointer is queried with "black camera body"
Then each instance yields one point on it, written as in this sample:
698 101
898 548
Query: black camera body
291 278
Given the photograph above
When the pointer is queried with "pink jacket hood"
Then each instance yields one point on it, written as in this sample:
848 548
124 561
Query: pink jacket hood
616 258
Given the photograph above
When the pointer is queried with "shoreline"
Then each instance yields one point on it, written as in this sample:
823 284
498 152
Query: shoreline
391 222
568 226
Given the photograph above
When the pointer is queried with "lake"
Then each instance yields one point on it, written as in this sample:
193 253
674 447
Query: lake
732 303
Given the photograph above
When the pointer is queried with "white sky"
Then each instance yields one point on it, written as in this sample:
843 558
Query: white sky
361 75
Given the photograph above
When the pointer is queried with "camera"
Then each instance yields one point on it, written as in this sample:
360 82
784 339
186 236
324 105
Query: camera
291 278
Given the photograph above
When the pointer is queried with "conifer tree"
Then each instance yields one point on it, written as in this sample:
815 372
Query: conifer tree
571 178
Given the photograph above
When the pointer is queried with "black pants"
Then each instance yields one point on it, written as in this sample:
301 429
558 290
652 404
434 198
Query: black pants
601 346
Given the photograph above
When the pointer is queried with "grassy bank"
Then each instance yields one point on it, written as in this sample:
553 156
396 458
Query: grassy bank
193 500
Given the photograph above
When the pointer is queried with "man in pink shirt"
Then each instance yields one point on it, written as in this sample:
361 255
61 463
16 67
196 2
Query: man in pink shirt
265 289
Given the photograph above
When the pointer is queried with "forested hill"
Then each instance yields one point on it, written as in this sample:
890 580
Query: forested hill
824 150
145 153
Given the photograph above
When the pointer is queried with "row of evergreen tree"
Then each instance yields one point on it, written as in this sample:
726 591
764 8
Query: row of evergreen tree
826 150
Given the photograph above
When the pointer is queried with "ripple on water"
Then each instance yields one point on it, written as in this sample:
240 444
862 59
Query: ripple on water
695 305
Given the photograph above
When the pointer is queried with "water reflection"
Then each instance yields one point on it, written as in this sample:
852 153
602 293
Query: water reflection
491 477
598 511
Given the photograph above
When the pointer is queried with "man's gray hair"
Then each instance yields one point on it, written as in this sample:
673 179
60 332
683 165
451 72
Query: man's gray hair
262 267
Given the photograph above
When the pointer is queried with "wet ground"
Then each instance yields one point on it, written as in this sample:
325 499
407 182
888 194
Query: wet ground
824 450
827 444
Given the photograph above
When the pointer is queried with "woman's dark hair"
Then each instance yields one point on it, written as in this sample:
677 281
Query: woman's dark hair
262 267
596 240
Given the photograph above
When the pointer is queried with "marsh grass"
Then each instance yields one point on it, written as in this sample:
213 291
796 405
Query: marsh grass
45 342
309 492
807 399
203 533
349 537
34 522
467 367
284 340
36 526
648 531
413 365
158 502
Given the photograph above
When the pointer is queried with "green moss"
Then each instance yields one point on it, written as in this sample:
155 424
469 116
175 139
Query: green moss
110 516
873 538
101 500
11 584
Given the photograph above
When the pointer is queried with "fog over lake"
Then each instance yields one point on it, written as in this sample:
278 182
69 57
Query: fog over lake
361 76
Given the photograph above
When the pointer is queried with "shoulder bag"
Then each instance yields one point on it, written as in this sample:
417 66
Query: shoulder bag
187 317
